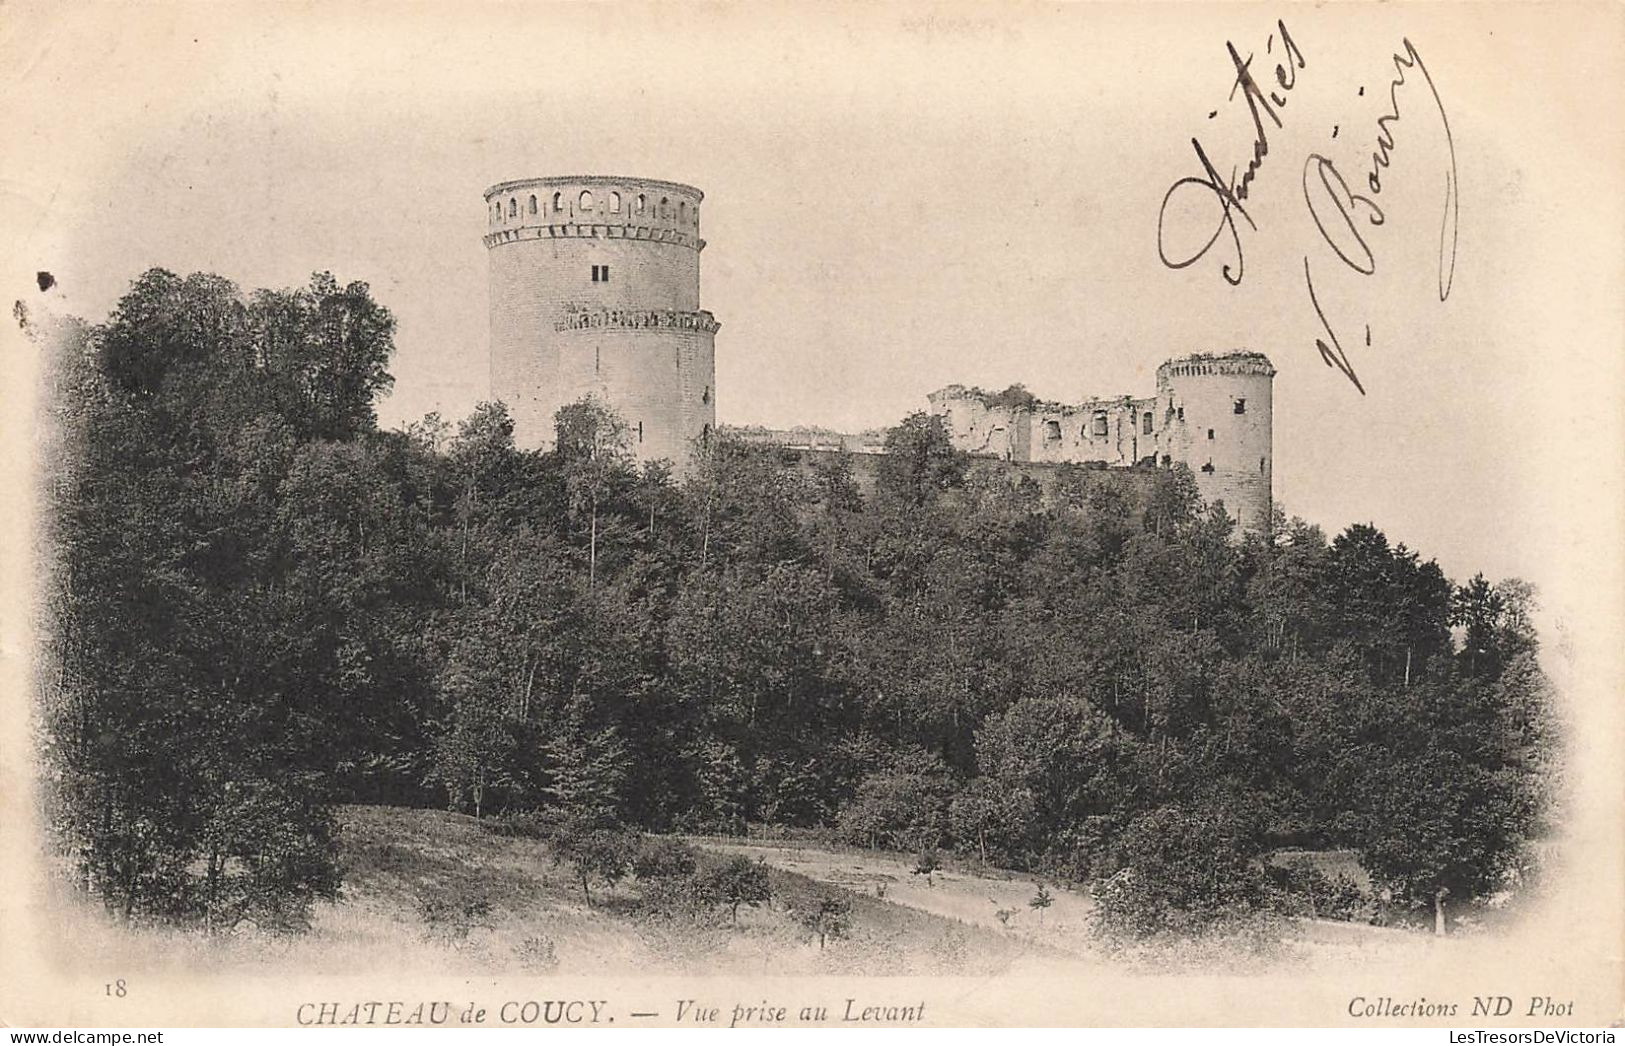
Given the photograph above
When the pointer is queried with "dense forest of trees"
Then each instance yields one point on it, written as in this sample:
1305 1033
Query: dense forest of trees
262 605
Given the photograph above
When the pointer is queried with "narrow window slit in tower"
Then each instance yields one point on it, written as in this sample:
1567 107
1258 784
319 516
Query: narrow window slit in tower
1209 433
1241 405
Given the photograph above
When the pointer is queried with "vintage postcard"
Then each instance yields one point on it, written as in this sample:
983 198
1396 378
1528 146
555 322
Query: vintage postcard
813 515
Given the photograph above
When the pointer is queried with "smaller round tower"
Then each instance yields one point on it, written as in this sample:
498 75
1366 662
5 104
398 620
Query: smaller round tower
1216 413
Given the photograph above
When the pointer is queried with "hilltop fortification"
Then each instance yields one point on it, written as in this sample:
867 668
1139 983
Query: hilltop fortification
595 291
1211 413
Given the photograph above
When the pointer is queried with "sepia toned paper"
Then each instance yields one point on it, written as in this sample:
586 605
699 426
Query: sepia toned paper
898 198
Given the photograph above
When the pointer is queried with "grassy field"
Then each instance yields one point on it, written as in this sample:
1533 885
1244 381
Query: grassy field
445 893
985 899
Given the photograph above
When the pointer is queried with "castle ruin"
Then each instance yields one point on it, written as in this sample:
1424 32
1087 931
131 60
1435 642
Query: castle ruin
1210 413
595 291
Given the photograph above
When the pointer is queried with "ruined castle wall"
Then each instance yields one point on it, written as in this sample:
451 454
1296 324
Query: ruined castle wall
1212 413
595 289
1112 432
977 428
1137 484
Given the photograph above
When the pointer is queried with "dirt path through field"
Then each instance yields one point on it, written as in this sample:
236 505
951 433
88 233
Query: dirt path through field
965 897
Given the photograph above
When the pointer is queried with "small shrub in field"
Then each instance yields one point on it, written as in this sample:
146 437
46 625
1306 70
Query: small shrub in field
927 864
538 954
1039 901
451 919
595 855
664 859
1181 872
668 879
740 882
825 917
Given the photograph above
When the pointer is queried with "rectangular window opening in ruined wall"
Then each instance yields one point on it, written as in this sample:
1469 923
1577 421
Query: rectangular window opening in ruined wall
640 432
1209 433
1100 423
1147 423
1241 405
1052 430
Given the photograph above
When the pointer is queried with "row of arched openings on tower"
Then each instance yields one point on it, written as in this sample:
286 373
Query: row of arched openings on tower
638 205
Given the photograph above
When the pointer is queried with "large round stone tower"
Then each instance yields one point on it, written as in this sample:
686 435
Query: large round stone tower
595 290
1216 414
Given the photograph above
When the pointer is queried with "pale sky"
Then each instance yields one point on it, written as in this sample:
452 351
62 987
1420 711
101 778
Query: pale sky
901 198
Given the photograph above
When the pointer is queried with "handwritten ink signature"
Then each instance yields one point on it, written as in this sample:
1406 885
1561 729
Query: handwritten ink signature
1211 189
1338 211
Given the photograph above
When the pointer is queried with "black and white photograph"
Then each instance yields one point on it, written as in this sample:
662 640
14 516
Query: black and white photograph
795 515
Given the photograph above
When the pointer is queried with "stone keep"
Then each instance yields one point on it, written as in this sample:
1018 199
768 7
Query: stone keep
595 291
1210 413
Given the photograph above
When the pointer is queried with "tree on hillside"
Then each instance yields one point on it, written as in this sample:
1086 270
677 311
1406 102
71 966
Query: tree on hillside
195 756
594 448
921 460
1449 813
326 349
741 881
824 917
1040 901
586 767
1182 869
595 855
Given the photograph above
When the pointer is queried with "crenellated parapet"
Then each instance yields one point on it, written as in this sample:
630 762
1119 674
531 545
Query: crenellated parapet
594 206
638 319
1233 364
